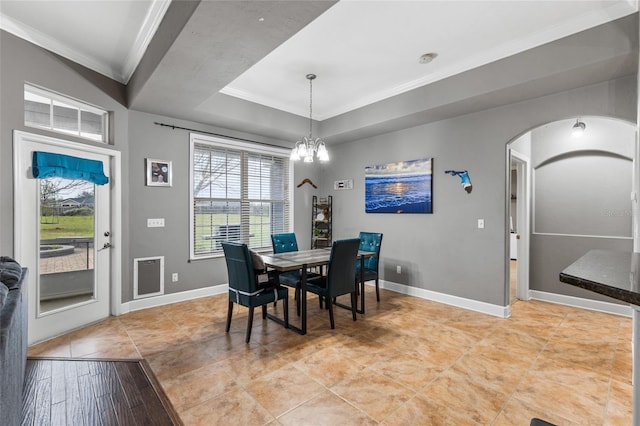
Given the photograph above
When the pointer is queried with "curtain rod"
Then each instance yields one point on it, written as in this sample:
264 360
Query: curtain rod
174 127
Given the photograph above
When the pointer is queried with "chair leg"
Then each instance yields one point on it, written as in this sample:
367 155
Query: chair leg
286 311
264 311
298 301
229 311
354 300
377 290
249 324
330 307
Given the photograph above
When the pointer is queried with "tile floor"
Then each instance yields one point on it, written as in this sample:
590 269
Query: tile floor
408 361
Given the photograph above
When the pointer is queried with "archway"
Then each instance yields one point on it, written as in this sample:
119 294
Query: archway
568 195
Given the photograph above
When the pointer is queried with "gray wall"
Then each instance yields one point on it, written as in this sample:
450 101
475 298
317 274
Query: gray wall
172 241
24 62
581 202
444 251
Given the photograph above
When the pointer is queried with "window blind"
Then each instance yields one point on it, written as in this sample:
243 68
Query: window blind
239 192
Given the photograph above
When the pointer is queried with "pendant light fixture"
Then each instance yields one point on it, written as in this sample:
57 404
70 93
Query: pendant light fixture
307 147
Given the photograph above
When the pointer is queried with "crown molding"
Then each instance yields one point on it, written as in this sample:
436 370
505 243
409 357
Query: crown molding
121 73
145 35
30 34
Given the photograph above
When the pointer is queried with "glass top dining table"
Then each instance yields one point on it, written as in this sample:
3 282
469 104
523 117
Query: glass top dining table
303 259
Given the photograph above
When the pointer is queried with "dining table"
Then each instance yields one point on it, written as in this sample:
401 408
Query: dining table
302 260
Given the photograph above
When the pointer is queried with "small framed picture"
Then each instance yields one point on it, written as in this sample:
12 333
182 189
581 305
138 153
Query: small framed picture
159 172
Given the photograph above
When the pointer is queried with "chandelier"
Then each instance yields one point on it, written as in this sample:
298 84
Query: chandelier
307 147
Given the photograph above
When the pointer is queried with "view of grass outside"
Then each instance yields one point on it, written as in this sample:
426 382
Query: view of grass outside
65 226
207 227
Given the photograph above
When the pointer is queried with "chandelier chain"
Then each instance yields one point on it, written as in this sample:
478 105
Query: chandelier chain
310 106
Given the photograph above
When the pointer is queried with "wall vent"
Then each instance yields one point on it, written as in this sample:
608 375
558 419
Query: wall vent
148 277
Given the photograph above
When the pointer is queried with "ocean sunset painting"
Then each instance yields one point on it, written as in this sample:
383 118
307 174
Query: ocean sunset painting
402 187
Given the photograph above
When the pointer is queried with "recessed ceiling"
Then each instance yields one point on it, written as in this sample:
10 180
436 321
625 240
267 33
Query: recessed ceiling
361 51
366 51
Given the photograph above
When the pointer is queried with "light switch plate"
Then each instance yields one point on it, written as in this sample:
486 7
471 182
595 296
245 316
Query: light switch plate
155 223
480 223
340 185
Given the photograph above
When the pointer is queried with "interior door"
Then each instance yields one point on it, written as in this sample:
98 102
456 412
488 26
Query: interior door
63 236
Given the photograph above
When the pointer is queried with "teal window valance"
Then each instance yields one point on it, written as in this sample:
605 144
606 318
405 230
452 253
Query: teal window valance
47 164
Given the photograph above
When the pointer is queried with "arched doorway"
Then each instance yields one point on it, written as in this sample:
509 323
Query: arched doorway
568 195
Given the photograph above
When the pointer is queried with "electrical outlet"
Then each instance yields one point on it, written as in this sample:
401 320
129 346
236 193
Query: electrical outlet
398 269
174 277
155 223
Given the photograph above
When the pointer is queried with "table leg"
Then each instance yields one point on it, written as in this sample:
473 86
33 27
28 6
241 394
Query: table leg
303 298
361 311
635 381
303 304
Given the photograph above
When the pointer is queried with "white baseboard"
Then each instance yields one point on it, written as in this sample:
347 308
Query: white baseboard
167 299
578 302
460 302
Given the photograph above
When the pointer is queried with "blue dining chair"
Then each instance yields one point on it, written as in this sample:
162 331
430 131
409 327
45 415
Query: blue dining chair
245 288
370 241
283 243
341 276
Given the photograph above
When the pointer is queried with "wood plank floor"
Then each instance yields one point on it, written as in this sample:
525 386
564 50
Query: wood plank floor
93 392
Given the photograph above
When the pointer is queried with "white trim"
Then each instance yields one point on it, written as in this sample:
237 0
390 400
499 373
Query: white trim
123 73
116 205
136 261
34 36
167 299
81 106
447 299
553 234
578 302
523 215
240 146
147 30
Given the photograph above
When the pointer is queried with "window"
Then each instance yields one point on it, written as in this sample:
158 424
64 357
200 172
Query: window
51 111
239 192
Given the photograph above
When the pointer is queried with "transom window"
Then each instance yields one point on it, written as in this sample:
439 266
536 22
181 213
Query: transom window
58 113
239 192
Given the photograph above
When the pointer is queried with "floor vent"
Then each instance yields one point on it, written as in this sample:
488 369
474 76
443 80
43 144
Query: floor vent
148 277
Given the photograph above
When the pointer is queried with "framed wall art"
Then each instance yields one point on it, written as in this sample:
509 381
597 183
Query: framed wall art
159 172
401 187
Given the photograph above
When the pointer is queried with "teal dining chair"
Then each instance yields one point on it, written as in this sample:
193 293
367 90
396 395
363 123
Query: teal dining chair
245 288
370 241
340 277
283 243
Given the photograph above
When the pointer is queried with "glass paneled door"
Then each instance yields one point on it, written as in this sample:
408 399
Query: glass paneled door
67 243
63 236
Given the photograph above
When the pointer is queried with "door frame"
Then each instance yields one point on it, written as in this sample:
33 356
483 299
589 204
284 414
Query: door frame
523 219
115 285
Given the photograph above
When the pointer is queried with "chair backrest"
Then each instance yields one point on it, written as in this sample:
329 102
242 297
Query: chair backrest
371 241
283 243
239 267
341 274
